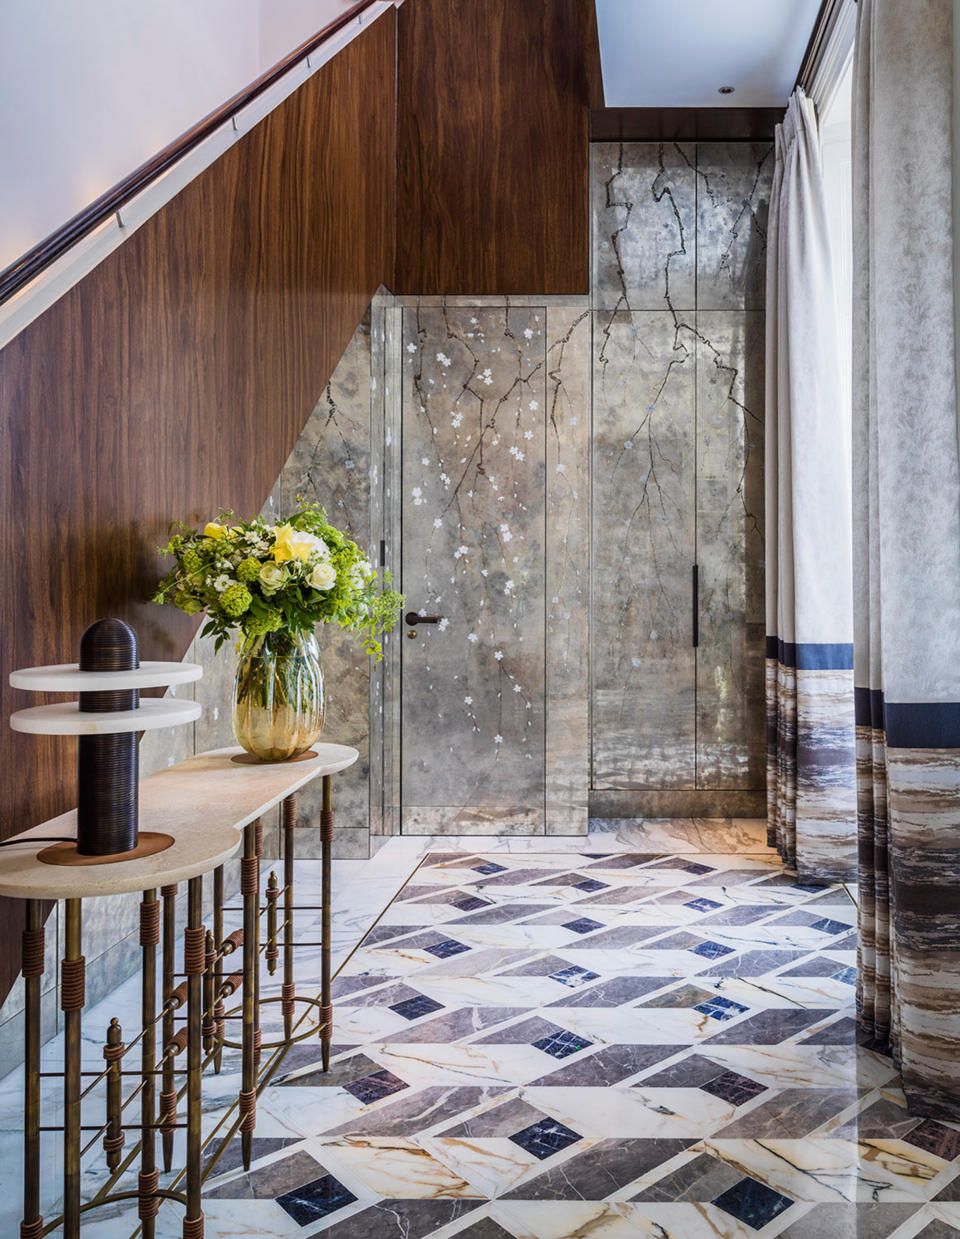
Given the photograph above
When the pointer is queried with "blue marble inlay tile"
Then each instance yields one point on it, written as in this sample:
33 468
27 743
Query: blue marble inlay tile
471 903
703 905
734 1088
373 1087
697 868
545 1138
827 926
574 975
490 867
583 926
315 1200
444 950
847 975
753 1203
935 1138
712 950
413 1008
721 1008
562 1044
591 884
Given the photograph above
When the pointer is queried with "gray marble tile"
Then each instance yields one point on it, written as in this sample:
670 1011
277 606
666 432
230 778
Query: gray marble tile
702 1179
836 1221
731 738
644 545
595 1174
644 225
474 461
797 1110
734 180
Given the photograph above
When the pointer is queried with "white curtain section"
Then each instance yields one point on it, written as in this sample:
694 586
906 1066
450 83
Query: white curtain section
811 773
906 491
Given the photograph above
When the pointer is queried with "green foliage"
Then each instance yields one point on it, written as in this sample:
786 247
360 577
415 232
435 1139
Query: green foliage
253 577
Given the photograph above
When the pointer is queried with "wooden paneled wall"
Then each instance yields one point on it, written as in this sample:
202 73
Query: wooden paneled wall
175 378
491 148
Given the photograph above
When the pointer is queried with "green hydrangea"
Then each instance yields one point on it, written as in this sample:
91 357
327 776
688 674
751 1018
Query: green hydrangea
188 604
191 561
249 569
236 599
256 625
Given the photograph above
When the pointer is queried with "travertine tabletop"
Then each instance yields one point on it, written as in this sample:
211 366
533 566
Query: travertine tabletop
203 802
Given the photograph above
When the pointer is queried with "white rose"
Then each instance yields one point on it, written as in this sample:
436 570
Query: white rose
322 577
272 578
222 583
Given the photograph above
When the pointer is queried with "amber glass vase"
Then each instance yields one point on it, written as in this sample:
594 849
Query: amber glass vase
278 700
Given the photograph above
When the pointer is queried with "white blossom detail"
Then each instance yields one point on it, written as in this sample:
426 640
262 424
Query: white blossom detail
498 655
472 636
443 359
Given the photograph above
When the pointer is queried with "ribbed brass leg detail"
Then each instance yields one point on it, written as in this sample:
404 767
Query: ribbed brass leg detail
194 963
326 854
149 940
250 890
288 819
32 967
71 1003
168 1094
114 1137
209 1024
272 953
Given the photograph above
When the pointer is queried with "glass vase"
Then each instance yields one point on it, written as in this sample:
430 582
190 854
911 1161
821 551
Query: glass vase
278 700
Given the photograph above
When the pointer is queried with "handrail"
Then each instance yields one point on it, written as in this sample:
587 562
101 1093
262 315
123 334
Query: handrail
37 259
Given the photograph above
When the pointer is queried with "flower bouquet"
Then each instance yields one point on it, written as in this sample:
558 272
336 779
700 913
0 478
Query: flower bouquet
272 584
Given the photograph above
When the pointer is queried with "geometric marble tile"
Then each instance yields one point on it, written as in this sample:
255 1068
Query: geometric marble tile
315 1200
753 1203
607 1167
840 1221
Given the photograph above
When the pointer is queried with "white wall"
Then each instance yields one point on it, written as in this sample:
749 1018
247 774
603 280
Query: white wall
90 91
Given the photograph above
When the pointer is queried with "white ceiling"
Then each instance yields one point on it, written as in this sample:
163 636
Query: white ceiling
678 53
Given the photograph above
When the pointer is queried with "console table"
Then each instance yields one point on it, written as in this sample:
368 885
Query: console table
211 806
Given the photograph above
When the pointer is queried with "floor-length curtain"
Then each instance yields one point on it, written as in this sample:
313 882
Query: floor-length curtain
811 779
907 544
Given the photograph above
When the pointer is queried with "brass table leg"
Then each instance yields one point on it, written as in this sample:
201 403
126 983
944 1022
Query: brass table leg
168 1091
194 963
71 1003
32 966
218 1009
250 889
148 1200
288 815
326 849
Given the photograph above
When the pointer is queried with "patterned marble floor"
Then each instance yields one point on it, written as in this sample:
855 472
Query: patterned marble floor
547 1045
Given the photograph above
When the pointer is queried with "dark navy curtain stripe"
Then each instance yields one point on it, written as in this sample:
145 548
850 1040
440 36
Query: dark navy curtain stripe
811 656
910 724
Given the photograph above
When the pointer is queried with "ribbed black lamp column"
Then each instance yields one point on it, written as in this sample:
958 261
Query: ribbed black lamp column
108 765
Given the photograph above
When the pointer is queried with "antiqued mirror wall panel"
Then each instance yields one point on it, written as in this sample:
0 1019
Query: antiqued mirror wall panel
490 463
679 253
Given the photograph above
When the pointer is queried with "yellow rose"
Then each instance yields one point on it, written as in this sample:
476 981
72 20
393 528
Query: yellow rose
213 530
293 544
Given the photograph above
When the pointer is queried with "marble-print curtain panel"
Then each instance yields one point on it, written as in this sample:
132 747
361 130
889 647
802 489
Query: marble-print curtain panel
811 773
907 544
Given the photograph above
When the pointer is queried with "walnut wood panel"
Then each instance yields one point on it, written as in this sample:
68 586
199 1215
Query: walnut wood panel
684 124
176 377
491 148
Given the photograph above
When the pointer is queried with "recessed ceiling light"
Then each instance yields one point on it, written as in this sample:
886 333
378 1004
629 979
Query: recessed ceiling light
726 90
